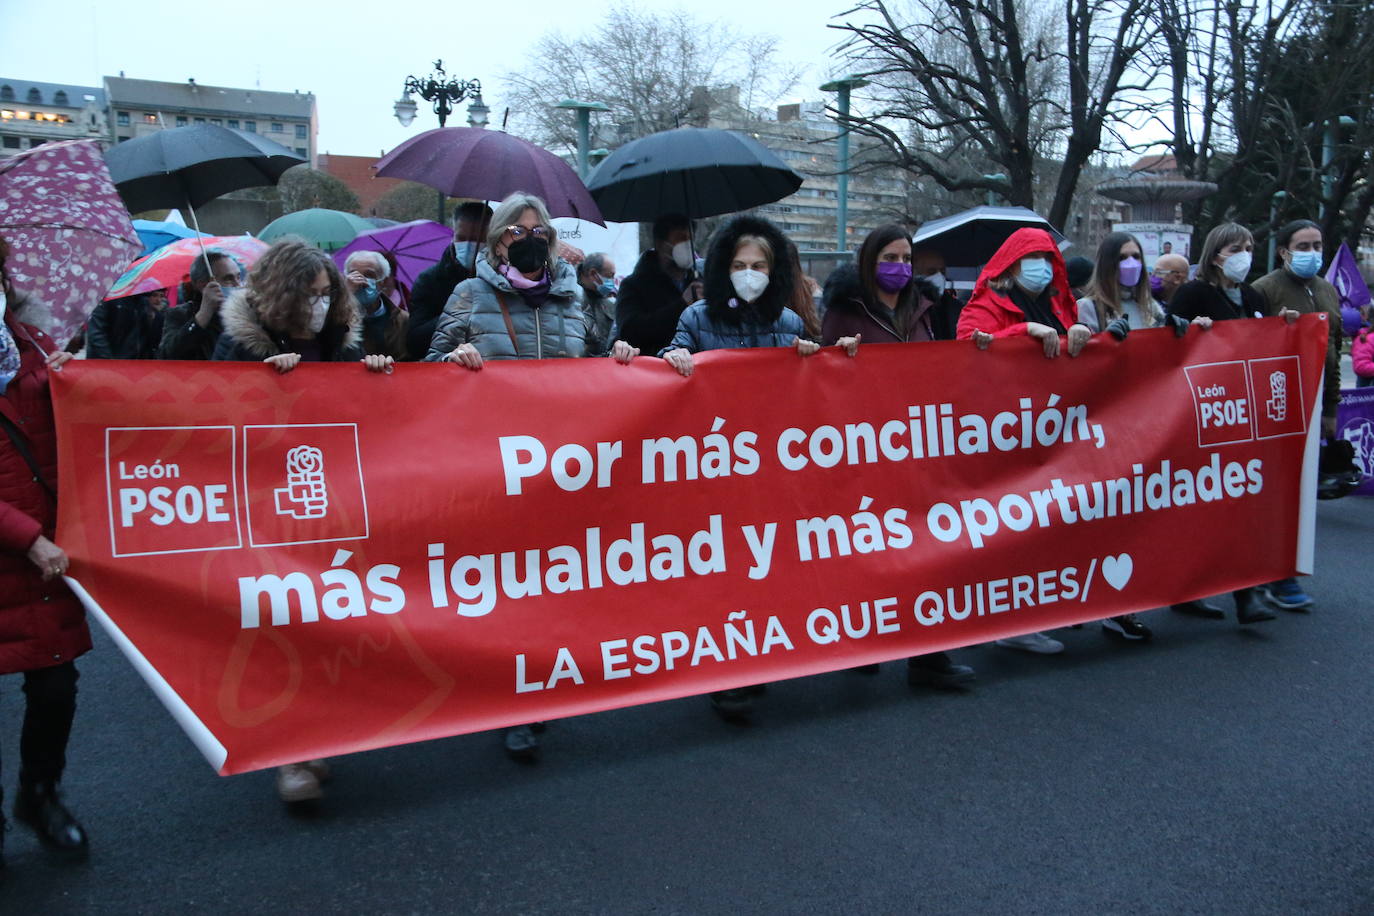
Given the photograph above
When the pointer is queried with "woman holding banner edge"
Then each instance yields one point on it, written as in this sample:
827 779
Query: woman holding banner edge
523 302
1024 291
296 307
43 623
877 299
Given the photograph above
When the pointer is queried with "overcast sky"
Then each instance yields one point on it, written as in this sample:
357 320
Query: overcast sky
354 62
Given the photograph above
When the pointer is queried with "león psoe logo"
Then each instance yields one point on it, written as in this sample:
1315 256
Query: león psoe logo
304 495
1277 405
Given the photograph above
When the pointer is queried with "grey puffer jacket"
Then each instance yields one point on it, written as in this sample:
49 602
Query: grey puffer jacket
558 328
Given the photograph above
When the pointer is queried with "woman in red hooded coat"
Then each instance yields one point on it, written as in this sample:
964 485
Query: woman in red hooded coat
42 625
1024 291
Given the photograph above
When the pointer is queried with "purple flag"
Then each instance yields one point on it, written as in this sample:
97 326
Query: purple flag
1344 274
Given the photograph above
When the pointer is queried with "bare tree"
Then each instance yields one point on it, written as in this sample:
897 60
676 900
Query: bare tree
1258 93
644 65
962 85
302 187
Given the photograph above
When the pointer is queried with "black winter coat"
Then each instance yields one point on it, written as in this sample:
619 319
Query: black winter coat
1198 297
649 304
848 313
428 297
184 338
125 328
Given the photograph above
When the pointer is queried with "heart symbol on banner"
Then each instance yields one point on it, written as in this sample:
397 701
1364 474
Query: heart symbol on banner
1117 570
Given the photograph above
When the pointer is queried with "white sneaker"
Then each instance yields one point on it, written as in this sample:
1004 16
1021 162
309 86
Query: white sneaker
1038 643
296 783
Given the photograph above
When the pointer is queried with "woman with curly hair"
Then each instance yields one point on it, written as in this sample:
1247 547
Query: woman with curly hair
296 307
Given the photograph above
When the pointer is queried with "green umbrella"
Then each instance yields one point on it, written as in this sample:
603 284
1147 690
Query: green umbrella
327 229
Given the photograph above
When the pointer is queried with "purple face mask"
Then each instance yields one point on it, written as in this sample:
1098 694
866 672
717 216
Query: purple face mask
893 276
1128 272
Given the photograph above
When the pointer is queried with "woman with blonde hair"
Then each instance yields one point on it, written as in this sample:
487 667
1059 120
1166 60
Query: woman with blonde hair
523 303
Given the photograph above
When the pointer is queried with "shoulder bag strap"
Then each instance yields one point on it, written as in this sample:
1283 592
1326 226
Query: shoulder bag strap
510 325
21 445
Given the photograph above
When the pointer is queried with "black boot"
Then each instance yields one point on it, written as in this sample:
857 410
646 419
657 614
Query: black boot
733 705
521 742
1249 608
1199 608
937 670
39 805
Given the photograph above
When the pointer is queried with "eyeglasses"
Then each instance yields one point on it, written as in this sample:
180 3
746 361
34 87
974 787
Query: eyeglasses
519 232
1170 273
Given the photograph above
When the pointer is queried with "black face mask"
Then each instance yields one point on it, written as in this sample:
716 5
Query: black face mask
529 254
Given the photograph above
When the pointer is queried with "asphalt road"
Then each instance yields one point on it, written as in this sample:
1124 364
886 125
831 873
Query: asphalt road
1216 770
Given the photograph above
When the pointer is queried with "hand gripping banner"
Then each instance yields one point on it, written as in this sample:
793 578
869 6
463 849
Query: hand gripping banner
332 560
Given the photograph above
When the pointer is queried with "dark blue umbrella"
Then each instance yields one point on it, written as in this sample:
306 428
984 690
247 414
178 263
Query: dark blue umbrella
189 166
696 171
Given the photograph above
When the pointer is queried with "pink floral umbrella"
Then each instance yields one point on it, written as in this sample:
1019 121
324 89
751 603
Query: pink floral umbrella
68 231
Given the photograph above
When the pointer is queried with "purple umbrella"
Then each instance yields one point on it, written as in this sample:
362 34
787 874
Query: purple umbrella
489 165
67 227
415 246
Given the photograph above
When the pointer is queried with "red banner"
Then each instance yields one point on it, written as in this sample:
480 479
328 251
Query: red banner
334 560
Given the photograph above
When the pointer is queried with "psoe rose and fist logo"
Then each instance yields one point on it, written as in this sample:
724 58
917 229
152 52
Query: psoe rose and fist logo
185 489
1245 400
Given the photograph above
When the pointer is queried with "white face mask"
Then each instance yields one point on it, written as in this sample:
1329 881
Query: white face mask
749 284
1237 266
319 308
4 303
682 255
465 252
937 280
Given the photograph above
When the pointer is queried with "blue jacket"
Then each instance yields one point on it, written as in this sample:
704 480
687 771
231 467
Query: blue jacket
697 331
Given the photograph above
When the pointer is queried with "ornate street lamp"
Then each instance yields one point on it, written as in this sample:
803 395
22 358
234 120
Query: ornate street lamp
437 88
445 94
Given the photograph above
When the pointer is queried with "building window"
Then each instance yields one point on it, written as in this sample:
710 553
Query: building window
200 120
300 131
6 93
35 97
59 98
11 142
149 118
217 122
234 123
302 152
277 128
181 121
250 126
122 119
122 139
36 141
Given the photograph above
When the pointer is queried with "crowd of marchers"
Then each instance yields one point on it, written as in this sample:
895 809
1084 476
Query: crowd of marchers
503 290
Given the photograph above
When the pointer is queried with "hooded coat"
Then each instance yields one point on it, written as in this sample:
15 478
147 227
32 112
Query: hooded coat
715 324
848 312
42 624
995 313
246 339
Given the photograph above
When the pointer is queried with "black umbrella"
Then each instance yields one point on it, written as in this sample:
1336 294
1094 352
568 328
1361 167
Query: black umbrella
970 238
188 166
695 171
